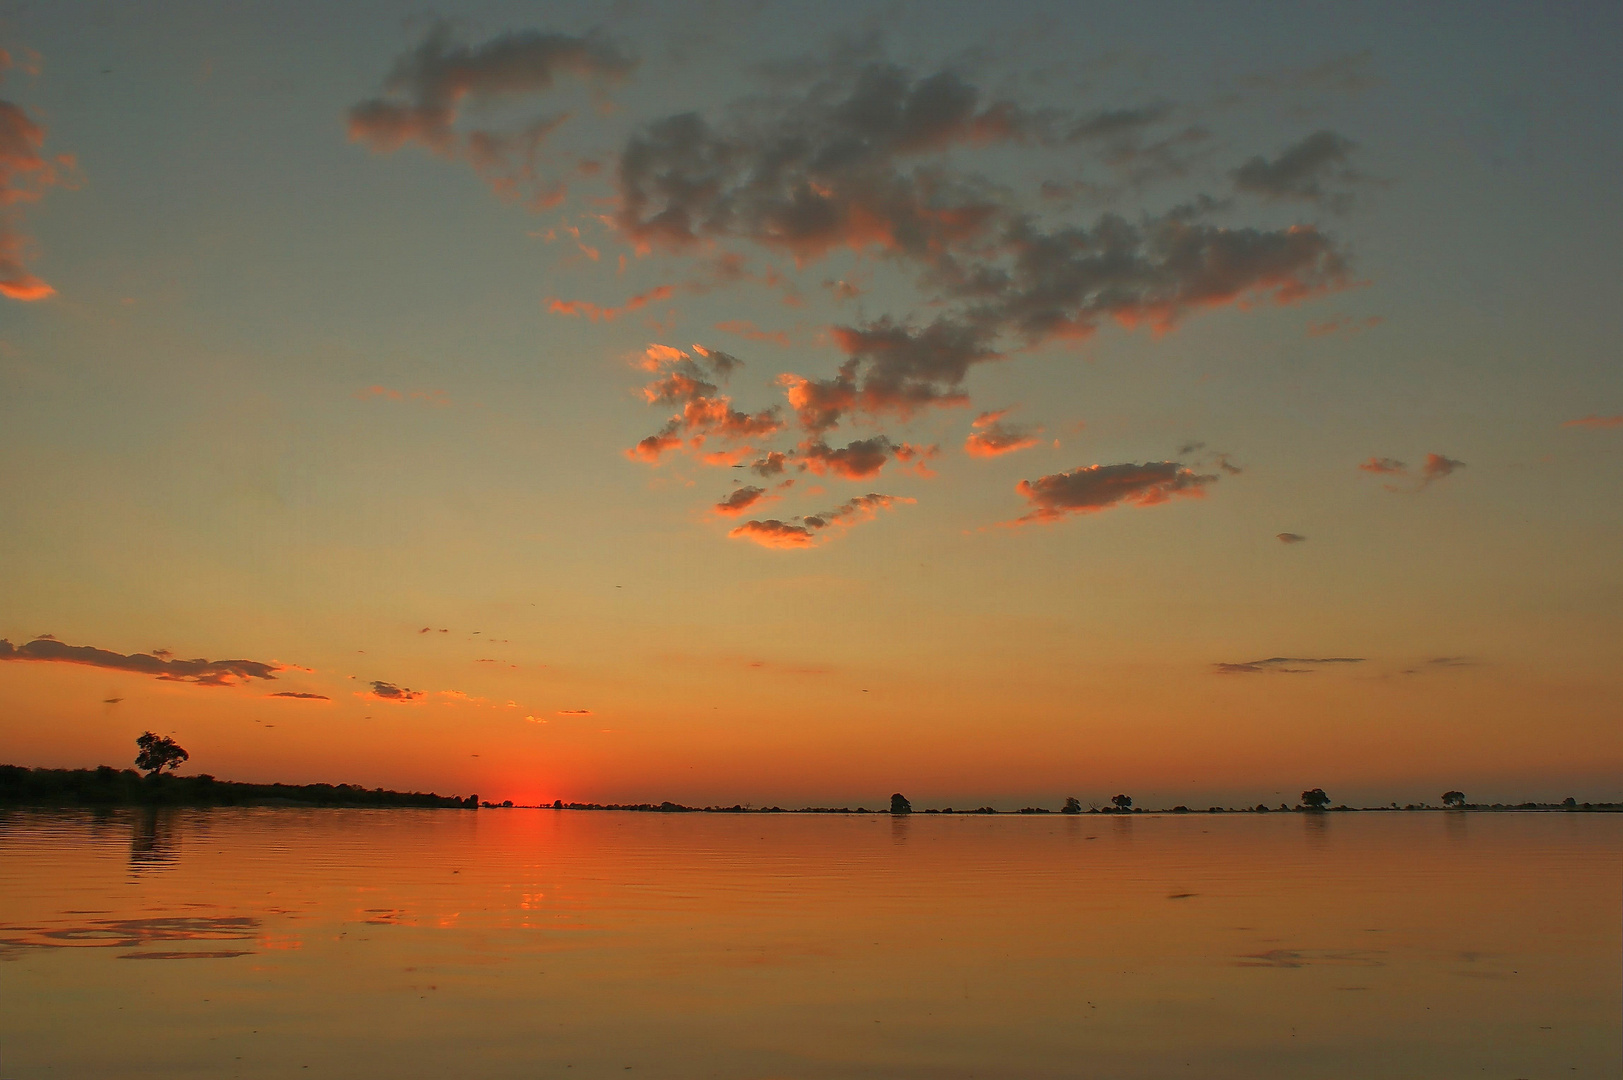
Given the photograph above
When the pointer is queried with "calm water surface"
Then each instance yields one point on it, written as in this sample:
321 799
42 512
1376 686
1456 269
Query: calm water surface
521 943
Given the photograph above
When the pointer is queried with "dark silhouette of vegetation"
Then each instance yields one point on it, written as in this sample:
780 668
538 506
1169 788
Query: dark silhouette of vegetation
899 804
1123 802
157 753
1315 799
1453 798
107 786
1072 806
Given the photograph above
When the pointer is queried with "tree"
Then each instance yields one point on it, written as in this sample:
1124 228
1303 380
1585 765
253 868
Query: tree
899 804
1453 798
1072 806
1315 799
157 753
1123 802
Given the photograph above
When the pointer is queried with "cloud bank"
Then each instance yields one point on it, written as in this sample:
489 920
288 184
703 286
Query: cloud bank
197 672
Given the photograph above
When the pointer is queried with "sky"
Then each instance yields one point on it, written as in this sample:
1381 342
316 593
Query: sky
791 404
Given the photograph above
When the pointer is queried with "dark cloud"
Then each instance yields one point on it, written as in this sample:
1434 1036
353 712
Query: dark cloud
300 697
1285 665
861 459
1092 488
385 691
772 464
427 89
196 672
1289 538
1384 466
992 436
1301 170
803 532
740 501
1063 282
805 173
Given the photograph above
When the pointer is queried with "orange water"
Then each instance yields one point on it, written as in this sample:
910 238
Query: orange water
523 943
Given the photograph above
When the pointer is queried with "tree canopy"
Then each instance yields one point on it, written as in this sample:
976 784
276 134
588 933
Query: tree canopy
157 753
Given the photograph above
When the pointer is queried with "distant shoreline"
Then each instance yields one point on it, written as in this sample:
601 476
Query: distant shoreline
108 787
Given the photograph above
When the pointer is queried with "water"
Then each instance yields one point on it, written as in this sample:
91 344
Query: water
521 943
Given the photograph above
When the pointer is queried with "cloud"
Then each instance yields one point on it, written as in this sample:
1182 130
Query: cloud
854 153
1284 665
773 464
806 173
1434 468
861 459
1594 421
902 370
26 173
692 383
428 88
1289 538
1062 282
1092 488
595 313
1299 172
804 532
992 437
1437 466
574 712
740 501
196 672
300 697
385 691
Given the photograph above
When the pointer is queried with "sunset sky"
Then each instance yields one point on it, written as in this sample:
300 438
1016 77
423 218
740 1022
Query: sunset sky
792 404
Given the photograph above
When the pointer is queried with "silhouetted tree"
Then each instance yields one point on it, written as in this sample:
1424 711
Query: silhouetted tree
1315 799
1453 798
899 804
157 753
1072 806
1123 802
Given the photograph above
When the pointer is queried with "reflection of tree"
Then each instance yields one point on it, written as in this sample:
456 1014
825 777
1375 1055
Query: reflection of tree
152 839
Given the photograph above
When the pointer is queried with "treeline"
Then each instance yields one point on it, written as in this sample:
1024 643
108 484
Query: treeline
107 786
